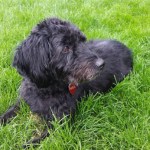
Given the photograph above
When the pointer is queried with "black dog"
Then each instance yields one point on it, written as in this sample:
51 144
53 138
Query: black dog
59 67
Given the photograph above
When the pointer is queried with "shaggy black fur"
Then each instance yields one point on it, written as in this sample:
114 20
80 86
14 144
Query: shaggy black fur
56 54
118 64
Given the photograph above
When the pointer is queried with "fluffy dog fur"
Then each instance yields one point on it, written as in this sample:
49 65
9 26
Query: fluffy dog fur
56 54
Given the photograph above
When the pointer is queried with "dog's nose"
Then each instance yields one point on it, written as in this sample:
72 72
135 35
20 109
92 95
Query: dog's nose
100 63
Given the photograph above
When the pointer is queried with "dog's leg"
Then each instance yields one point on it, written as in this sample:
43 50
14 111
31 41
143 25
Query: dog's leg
11 112
37 140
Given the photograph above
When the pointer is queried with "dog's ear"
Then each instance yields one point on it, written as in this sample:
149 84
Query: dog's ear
32 59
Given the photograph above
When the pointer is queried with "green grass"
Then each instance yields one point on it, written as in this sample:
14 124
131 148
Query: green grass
119 120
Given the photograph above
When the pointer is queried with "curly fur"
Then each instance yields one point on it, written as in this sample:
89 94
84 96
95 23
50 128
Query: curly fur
56 54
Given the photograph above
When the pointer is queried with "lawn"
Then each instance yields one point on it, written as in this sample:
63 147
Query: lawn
119 120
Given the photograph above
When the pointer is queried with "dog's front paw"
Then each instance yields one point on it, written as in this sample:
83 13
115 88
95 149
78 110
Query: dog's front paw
36 141
2 120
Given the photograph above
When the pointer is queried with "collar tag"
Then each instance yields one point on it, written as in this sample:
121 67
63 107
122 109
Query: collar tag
72 88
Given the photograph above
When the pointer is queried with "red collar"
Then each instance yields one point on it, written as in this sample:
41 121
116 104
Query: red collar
72 88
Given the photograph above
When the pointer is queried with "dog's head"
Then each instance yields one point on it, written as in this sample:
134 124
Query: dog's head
56 50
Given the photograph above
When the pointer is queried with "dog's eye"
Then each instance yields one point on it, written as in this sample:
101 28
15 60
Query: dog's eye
66 49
